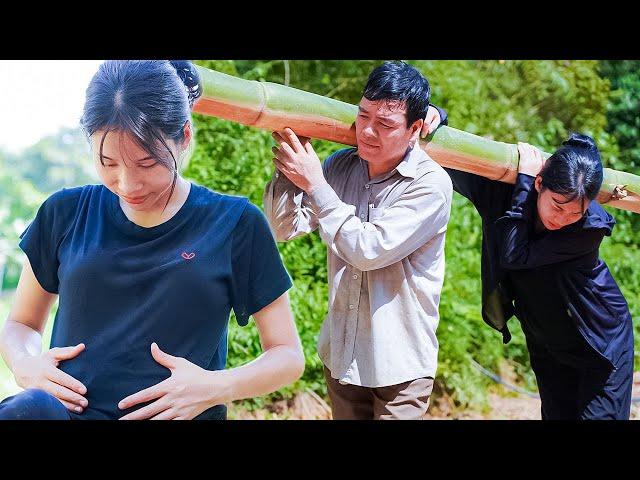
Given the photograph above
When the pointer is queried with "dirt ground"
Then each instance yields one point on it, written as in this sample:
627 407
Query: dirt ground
503 406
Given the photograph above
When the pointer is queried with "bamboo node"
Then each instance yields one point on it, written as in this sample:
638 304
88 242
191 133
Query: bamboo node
514 159
263 103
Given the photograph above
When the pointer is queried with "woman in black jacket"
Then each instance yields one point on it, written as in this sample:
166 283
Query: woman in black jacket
540 262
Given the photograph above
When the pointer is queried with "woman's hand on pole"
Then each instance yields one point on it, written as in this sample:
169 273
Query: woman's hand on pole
531 161
431 121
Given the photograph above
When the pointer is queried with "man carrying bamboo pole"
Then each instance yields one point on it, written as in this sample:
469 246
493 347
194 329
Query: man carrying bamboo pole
382 210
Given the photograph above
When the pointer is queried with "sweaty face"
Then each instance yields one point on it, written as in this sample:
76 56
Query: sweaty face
130 172
553 209
381 131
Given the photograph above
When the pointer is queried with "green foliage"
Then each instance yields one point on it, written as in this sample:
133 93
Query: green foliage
55 161
624 126
340 79
539 102
27 178
622 112
622 251
19 201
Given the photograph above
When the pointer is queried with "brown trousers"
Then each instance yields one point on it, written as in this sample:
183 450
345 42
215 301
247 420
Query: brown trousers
405 401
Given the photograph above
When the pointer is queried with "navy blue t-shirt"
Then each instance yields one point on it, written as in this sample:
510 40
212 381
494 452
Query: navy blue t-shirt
122 286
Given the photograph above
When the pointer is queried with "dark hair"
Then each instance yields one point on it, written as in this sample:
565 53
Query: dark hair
150 99
399 81
575 169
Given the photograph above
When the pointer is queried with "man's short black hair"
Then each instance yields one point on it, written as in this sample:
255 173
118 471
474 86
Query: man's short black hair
399 81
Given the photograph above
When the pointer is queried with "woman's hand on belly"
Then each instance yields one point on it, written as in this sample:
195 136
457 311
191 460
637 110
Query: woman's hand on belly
186 394
41 371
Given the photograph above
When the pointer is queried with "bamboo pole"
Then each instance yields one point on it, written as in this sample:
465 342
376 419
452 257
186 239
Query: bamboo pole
273 107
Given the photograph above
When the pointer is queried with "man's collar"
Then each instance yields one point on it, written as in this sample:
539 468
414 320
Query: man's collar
407 167
409 164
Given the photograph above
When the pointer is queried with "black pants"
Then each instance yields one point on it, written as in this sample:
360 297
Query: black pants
579 385
33 404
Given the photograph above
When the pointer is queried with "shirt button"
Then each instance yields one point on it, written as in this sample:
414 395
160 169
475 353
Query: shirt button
367 186
351 307
362 216
355 277
277 174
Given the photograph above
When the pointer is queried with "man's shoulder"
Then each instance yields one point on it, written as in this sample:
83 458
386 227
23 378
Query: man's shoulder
428 171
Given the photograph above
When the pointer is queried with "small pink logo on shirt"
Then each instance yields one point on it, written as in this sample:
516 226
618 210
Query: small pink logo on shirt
188 256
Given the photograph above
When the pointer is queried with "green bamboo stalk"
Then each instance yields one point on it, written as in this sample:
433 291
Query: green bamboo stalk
273 107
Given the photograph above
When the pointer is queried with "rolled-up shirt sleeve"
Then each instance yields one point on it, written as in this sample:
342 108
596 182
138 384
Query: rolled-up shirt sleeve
419 214
288 208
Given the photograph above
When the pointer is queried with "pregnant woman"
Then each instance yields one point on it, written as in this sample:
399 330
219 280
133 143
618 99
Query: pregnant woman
147 267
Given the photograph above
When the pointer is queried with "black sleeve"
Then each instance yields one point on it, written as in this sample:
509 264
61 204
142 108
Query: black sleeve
478 190
488 196
41 239
519 251
258 274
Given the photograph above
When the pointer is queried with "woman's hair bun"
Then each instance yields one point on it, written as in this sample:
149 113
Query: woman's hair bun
582 141
189 76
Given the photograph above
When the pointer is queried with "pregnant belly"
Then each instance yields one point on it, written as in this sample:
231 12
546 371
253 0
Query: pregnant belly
110 378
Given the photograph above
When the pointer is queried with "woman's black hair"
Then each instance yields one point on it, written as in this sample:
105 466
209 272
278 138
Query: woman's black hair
149 99
575 169
399 81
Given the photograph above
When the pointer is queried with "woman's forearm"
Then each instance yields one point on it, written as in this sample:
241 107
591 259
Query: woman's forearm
275 368
18 340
